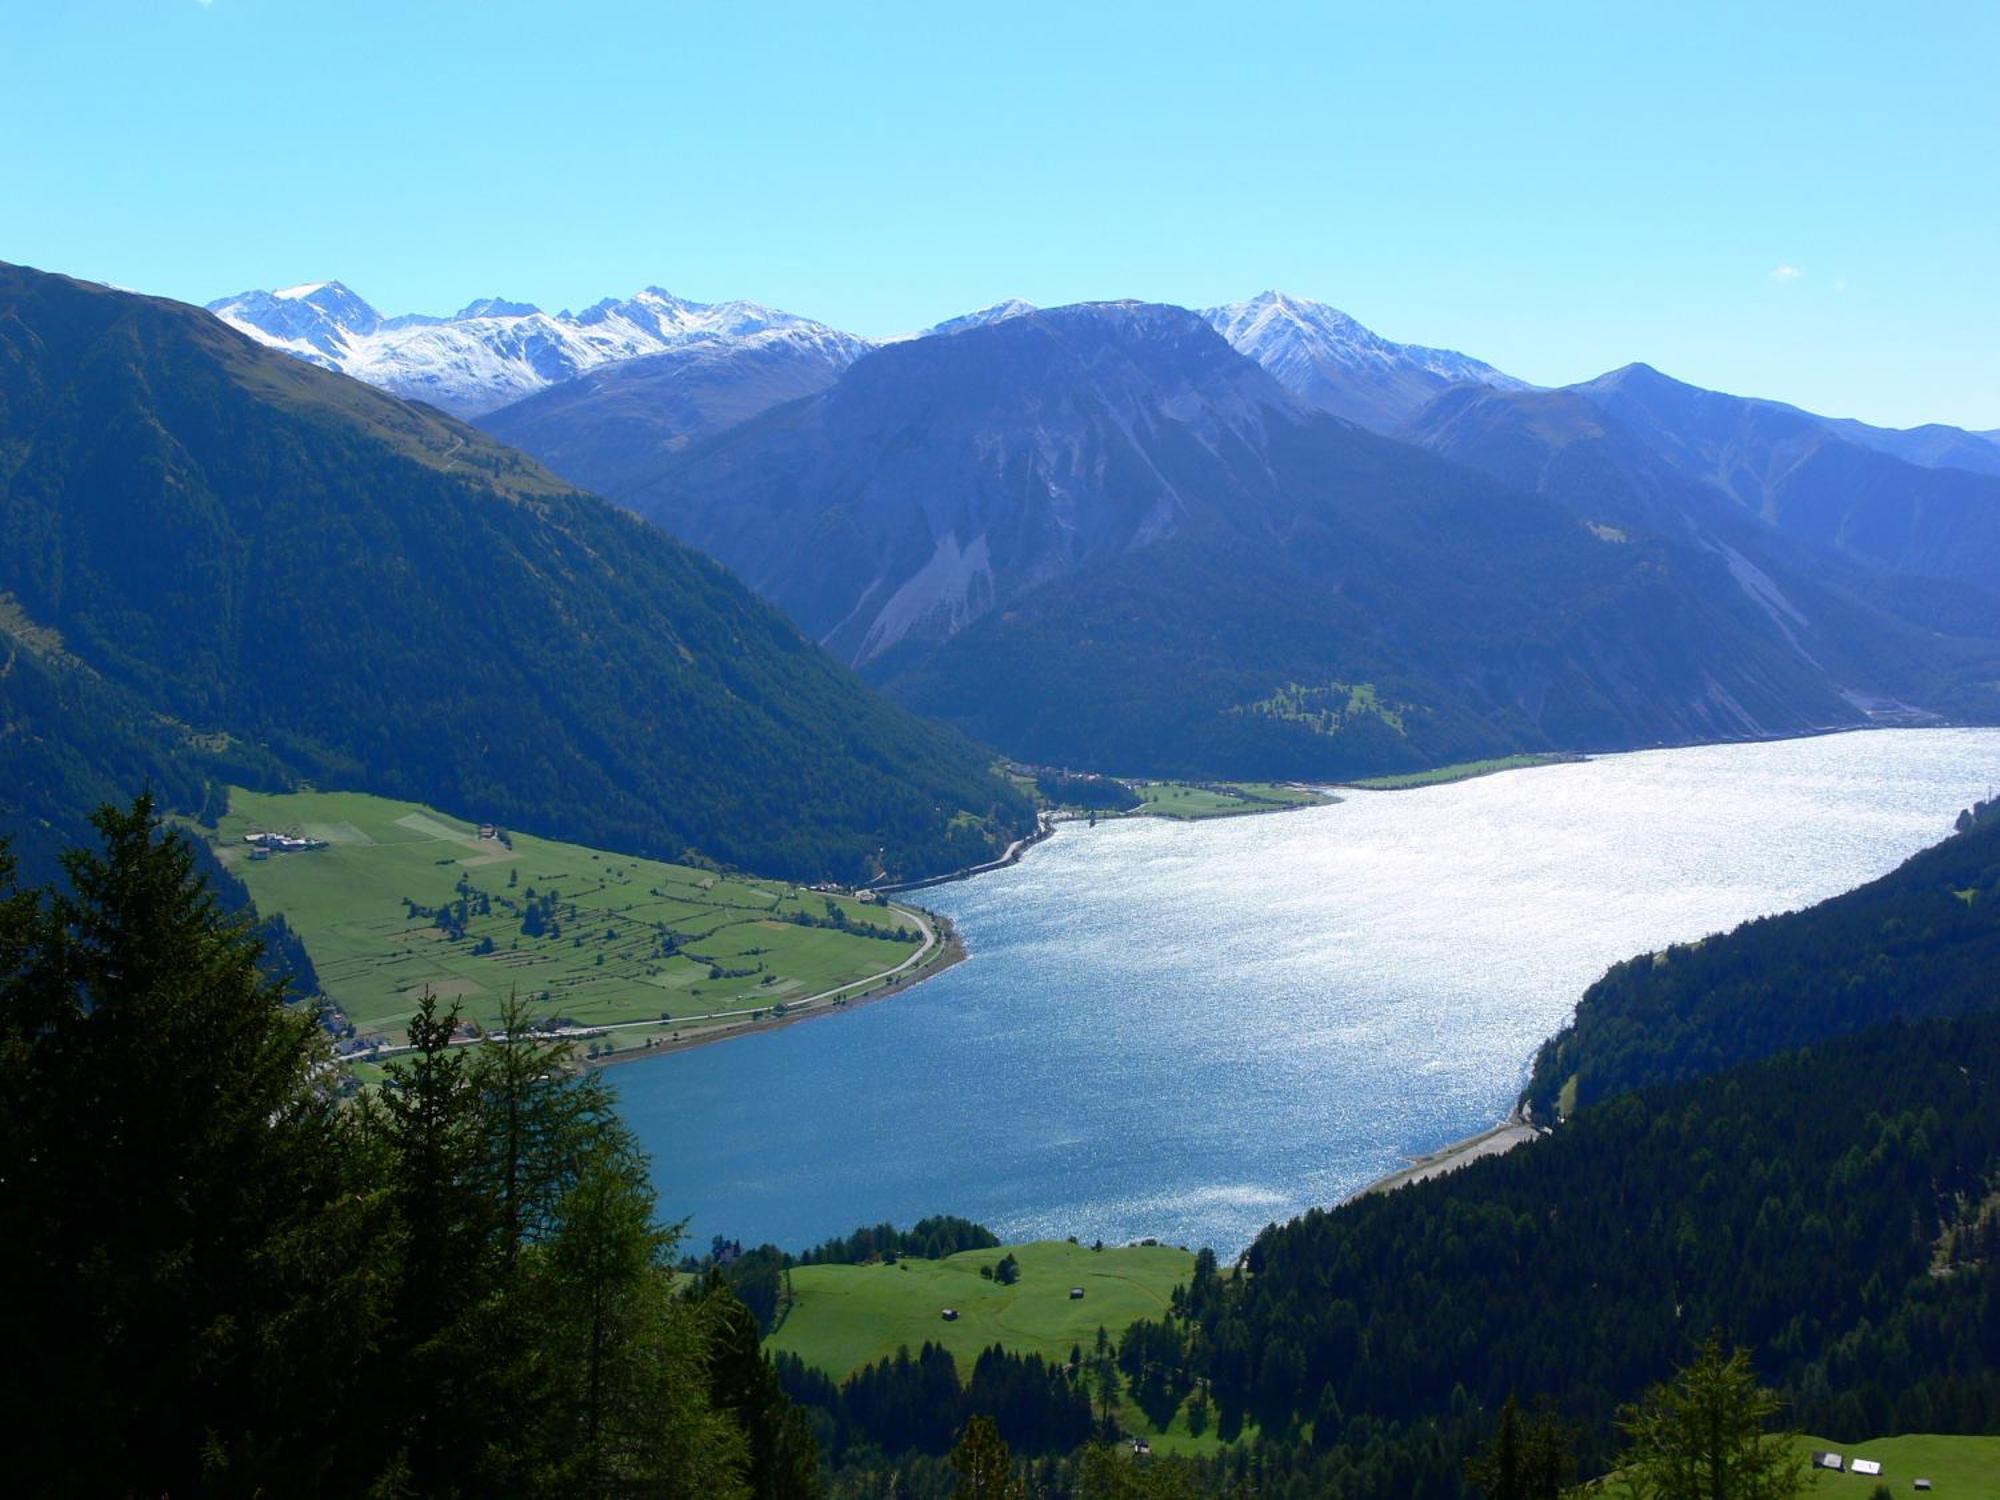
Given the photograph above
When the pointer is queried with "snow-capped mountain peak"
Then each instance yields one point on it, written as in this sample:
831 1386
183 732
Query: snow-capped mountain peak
494 351
1320 353
999 312
314 321
495 307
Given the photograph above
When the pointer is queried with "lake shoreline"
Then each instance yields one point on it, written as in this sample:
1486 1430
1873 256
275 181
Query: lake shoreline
1494 1140
954 953
1421 949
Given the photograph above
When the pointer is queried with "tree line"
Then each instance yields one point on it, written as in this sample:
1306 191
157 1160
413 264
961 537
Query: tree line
1924 940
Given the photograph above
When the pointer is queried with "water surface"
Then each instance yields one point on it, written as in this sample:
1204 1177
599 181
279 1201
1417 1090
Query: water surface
1190 1029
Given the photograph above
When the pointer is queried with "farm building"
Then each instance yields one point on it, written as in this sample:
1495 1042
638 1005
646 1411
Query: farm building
950 1315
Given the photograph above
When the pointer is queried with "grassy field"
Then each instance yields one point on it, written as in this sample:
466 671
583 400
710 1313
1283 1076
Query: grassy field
1464 771
1962 1468
843 1317
1217 799
597 938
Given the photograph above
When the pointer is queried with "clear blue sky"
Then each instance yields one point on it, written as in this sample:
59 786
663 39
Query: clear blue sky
1800 201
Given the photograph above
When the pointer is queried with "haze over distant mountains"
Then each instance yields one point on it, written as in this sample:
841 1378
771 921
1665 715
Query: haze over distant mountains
713 365
1223 542
493 351
1100 536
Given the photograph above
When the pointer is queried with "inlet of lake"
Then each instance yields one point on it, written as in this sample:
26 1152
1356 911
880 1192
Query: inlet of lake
1187 1030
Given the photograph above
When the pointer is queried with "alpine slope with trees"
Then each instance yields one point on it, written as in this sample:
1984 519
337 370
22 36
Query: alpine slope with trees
220 565
223 1280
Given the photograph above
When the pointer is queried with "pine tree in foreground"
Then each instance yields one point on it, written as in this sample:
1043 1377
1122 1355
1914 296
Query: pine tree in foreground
1704 1436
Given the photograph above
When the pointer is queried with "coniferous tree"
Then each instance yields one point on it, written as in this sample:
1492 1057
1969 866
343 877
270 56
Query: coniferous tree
163 1129
984 1464
1704 1436
1527 1459
783 1454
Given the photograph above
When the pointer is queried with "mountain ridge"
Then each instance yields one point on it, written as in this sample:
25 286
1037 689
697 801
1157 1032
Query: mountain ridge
1099 535
293 575
492 351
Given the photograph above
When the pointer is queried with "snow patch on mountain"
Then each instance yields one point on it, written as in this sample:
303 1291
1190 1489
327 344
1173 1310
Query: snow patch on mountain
493 351
999 312
1320 353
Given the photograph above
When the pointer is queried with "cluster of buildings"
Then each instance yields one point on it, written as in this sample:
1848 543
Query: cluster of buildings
264 845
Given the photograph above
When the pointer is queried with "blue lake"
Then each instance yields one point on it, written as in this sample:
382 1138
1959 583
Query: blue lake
1189 1030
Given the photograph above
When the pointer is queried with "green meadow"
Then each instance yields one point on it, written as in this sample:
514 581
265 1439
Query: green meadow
1463 771
404 898
1217 799
843 1317
1959 1468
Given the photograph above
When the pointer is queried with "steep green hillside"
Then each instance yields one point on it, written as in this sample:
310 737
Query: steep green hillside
1924 940
1832 1209
213 550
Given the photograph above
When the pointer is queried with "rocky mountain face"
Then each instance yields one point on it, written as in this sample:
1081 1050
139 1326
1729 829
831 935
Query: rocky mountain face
615 427
1099 535
1807 479
941 477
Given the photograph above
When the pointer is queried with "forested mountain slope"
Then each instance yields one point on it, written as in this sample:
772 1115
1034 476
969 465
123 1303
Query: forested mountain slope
1802 476
1924 940
1099 536
1892 637
215 553
1830 1209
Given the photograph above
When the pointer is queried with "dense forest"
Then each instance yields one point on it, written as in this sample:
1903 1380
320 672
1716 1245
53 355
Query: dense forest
1830 1208
918 1403
222 1280
218 563
1924 940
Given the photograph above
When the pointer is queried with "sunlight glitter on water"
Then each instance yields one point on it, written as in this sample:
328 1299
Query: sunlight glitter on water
1188 1030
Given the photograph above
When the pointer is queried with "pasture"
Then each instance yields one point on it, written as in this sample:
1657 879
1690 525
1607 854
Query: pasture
843 1317
405 898
1217 799
1959 1468
1463 771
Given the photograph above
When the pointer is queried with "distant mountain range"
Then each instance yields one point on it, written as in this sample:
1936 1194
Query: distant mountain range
697 368
219 564
1099 536
1132 536
492 352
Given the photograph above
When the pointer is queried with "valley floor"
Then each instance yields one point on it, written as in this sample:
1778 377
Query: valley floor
631 955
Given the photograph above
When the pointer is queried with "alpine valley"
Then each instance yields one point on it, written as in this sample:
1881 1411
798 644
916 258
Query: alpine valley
402 717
